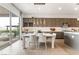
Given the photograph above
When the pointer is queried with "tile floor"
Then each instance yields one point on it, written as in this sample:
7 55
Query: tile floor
60 49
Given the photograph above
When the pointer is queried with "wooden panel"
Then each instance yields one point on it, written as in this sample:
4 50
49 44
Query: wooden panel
52 22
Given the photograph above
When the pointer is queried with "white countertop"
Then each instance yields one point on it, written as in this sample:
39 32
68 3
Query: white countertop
72 32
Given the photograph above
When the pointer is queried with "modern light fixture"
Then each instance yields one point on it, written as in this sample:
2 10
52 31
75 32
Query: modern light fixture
39 3
75 8
77 19
59 8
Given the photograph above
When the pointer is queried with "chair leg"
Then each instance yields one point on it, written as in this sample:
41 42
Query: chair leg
38 45
52 45
45 46
29 44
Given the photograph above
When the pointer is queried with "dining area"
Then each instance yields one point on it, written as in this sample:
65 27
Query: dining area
38 40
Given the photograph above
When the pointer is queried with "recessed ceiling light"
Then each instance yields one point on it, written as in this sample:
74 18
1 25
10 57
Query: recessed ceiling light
75 8
77 19
59 8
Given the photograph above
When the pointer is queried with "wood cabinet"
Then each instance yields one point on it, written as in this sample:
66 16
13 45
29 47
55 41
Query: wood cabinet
59 35
49 22
27 22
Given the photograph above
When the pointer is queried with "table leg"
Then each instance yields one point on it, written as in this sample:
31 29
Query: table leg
52 44
24 43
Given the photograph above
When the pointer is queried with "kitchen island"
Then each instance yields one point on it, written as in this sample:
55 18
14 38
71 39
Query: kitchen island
72 39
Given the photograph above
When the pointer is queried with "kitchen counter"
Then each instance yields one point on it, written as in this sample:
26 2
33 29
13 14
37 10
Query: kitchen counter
72 39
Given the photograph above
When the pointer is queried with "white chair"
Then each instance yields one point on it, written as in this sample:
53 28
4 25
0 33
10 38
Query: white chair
53 39
33 41
35 33
42 39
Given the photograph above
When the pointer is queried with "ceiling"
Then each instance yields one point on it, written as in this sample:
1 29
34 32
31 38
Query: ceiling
3 12
49 10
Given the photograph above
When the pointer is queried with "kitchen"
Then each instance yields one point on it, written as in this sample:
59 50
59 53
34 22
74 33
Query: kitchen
45 28
60 26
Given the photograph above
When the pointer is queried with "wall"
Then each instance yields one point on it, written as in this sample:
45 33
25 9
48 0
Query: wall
57 29
58 15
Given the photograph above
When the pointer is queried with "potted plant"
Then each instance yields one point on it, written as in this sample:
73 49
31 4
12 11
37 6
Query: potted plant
39 31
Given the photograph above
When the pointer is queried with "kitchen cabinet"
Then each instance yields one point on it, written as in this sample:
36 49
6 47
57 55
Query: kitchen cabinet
72 39
49 22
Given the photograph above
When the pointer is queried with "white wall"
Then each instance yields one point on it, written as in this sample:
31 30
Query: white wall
51 16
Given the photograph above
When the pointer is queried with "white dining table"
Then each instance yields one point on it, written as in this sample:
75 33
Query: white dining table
28 35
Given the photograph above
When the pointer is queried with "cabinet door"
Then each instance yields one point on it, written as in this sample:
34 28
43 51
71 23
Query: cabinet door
59 35
30 24
25 24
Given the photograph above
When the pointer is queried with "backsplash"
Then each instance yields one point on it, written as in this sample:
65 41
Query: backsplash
59 29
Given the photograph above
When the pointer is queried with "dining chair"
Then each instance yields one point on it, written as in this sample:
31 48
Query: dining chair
33 41
53 39
42 39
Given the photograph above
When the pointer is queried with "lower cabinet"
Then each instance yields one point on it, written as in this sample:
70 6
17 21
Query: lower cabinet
59 35
72 39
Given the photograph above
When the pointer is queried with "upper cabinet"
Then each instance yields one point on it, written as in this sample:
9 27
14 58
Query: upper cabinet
49 22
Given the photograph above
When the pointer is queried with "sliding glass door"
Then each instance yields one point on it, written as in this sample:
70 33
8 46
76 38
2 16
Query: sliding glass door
4 23
9 27
15 27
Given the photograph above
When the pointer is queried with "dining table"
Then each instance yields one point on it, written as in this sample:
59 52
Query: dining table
24 35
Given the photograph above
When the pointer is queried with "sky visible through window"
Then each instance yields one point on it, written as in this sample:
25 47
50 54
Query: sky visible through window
5 21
